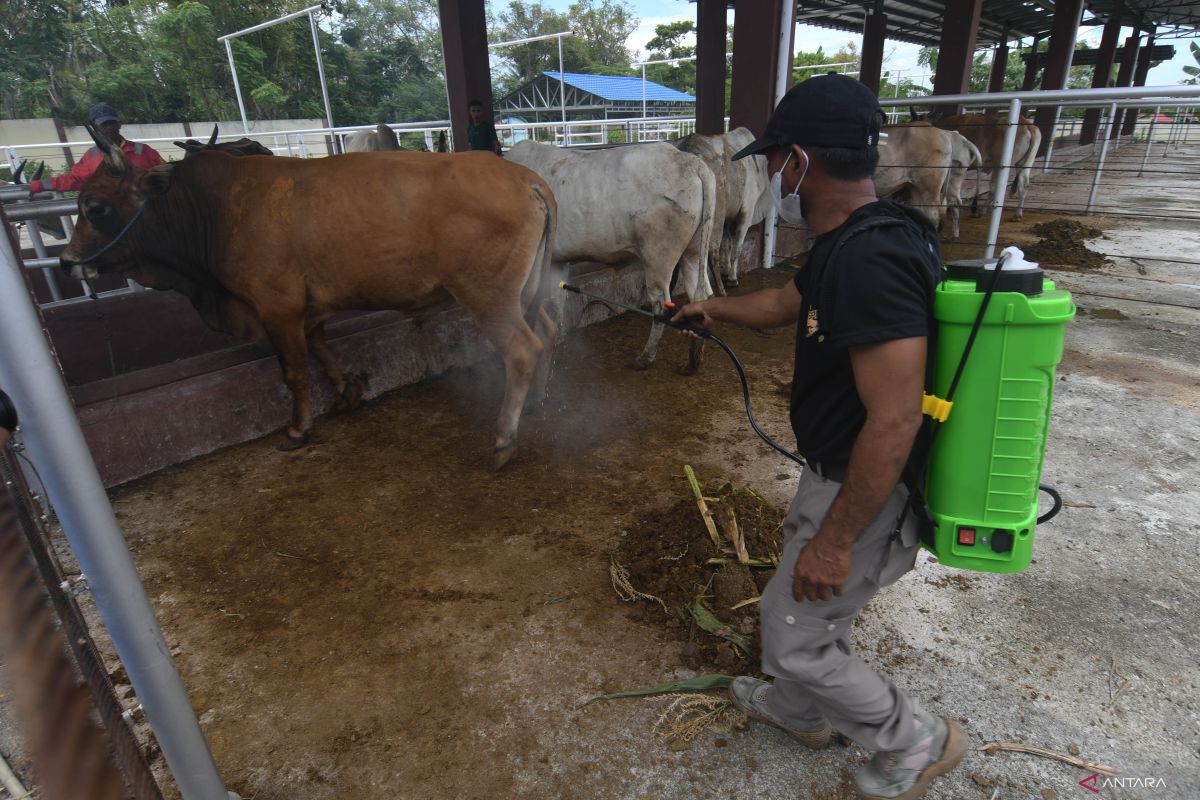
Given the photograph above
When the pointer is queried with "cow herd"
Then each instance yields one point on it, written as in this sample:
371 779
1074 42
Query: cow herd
269 248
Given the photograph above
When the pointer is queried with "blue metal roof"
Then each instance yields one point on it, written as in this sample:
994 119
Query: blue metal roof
610 87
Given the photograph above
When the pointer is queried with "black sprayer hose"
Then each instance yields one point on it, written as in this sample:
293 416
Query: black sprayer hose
1057 507
707 334
704 333
667 318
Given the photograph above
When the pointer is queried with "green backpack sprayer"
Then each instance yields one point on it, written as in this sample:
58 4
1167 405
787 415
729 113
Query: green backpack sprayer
975 473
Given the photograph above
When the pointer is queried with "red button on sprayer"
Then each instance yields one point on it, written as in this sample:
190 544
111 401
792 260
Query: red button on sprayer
966 536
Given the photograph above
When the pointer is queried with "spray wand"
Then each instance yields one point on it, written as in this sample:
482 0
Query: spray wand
689 325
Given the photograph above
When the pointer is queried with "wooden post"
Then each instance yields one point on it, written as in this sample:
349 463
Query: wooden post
1105 57
465 51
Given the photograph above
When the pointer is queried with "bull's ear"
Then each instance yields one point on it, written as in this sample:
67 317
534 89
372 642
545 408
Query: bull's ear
155 182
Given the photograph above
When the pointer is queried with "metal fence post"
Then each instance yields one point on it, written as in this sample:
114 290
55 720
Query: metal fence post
56 445
1000 182
1149 140
39 249
1115 120
1049 148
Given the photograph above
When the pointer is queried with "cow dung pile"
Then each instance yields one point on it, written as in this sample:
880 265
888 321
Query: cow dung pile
680 578
1062 245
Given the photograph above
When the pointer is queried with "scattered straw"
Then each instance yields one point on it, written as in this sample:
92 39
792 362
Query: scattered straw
625 590
991 748
686 716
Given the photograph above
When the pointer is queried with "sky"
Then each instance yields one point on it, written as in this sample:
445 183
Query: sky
897 55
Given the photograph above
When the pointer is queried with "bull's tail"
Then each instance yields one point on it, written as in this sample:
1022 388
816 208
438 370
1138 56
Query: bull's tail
547 303
541 278
695 281
1024 164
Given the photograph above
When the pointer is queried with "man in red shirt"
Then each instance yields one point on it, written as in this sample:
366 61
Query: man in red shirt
105 118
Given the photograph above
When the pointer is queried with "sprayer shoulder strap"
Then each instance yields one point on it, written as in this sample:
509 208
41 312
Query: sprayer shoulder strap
819 284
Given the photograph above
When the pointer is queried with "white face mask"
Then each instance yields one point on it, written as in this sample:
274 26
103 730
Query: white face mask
789 208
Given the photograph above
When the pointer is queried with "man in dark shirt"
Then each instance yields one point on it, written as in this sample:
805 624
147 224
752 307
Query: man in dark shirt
863 304
481 133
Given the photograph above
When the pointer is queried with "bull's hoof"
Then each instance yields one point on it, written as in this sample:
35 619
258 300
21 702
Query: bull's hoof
294 442
504 455
730 283
688 370
641 364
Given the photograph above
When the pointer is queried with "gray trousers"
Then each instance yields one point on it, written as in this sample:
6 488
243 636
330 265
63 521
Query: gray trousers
805 645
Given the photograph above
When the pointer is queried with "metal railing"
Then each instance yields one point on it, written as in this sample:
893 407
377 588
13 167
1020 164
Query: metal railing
310 142
1111 99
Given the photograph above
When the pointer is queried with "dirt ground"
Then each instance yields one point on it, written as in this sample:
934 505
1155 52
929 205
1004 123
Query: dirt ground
381 615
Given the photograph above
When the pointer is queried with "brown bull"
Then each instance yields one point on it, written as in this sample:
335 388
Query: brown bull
270 248
987 134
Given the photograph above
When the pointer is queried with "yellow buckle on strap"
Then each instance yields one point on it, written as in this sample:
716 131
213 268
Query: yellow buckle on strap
935 407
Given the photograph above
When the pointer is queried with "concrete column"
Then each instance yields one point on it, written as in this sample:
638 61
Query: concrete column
756 31
1129 62
1139 79
999 68
710 66
1105 57
1063 31
871 68
1031 67
468 73
957 50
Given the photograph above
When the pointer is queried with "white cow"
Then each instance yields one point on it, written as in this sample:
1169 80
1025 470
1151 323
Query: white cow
650 203
963 156
381 140
742 199
914 166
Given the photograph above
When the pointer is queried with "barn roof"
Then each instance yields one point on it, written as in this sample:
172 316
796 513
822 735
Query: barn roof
920 21
613 87
607 94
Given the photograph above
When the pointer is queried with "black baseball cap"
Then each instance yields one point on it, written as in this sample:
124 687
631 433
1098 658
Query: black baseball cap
102 113
824 111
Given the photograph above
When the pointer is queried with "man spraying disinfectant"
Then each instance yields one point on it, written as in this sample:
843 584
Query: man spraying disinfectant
870 304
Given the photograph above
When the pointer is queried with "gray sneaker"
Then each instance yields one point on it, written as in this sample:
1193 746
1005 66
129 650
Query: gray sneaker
905 774
750 695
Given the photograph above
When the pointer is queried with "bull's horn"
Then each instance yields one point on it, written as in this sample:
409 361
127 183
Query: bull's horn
112 154
16 176
213 139
98 137
37 173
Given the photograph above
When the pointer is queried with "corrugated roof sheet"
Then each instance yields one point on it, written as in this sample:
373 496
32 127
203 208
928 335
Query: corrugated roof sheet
610 87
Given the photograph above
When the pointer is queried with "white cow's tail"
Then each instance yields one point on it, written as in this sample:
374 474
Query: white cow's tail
976 162
697 284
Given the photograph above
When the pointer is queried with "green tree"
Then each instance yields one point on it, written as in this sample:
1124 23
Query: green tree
160 61
1189 69
598 46
668 42
806 64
